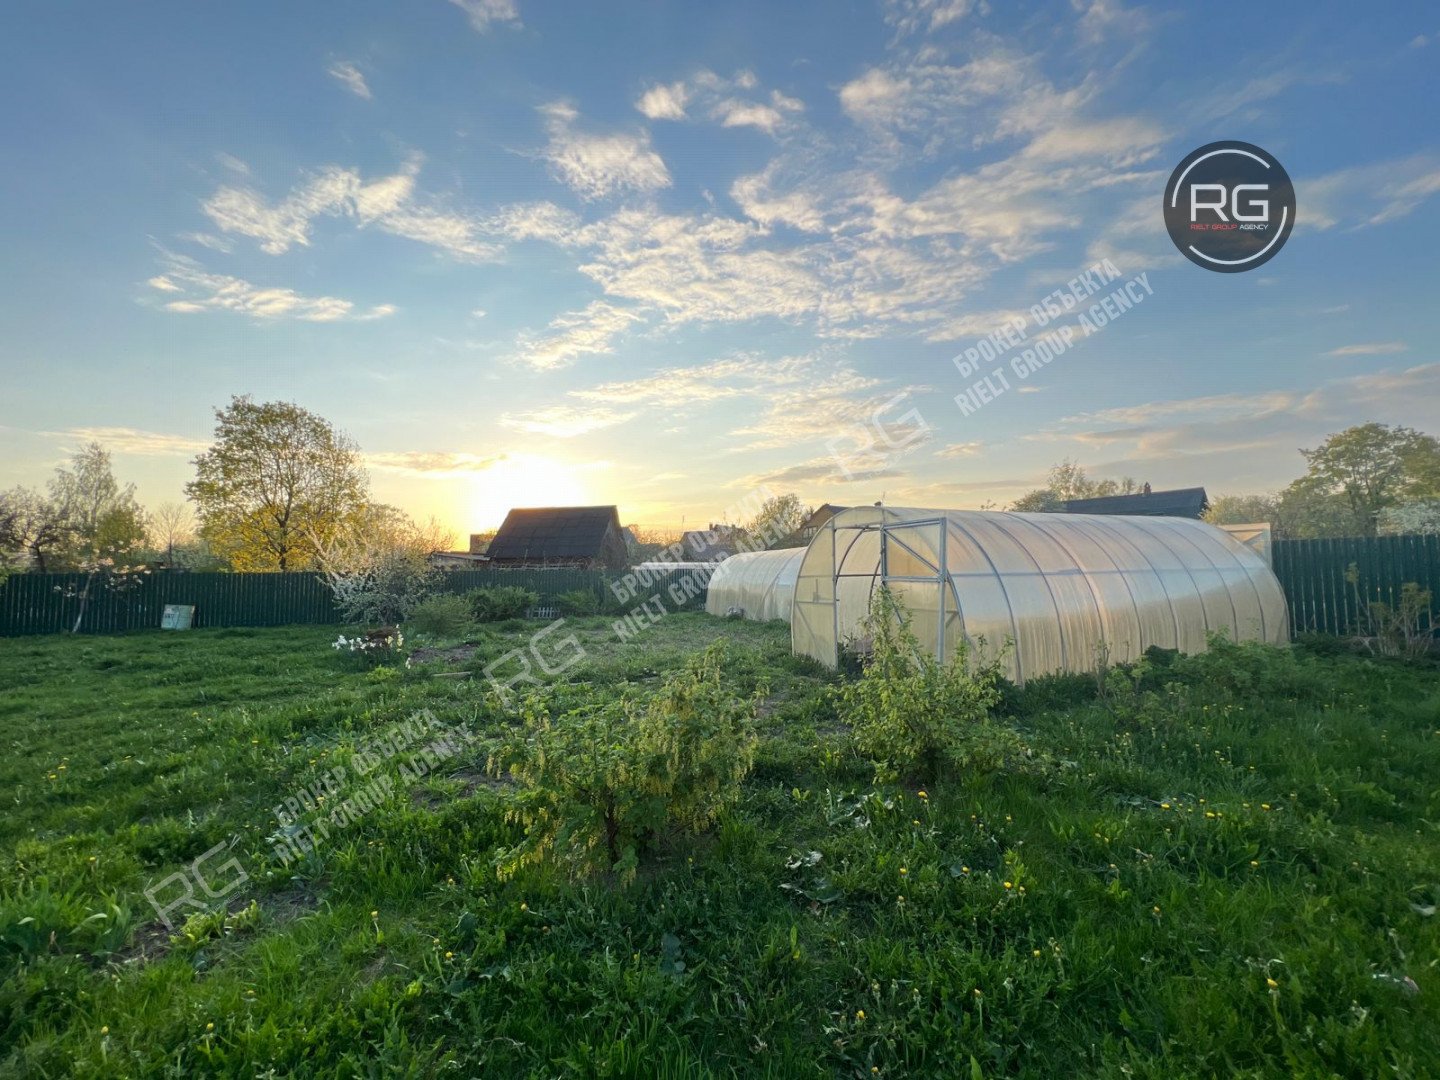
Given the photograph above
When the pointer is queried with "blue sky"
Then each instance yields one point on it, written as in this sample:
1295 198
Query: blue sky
528 253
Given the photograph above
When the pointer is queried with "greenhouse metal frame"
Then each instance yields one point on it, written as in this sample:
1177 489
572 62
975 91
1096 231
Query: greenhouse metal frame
1067 591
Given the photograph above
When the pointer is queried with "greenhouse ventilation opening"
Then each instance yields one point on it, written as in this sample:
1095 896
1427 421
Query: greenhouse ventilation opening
1066 589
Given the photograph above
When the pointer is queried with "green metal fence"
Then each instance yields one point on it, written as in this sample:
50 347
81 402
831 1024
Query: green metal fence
48 603
1313 574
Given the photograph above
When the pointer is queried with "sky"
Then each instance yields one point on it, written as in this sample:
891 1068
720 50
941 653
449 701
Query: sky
674 256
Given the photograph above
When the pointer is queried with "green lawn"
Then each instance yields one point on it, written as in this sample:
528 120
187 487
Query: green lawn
1233 874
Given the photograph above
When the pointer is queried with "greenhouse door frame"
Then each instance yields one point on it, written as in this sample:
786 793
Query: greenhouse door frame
887 530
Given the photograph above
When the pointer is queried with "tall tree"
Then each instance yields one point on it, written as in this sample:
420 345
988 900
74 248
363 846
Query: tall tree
105 520
1371 467
1068 480
36 528
278 483
777 521
172 525
1241 510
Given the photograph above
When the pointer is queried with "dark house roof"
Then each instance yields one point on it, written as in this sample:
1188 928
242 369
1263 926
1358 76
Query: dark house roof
554 533
820 515
1182 502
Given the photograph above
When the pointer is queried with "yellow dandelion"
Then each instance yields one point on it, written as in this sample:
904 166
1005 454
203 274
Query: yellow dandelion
524 906
1009 884
860 1014
1271 983
1036 954
449 955
374 914
104 1029
922 794
209 1027
903 871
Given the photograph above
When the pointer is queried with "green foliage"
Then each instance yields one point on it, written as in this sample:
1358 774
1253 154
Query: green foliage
1241 883
579 602
497 603
278 485
1068 480
443 616
916 717
600 785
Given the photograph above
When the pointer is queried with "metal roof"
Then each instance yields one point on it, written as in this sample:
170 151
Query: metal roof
1181 502
554 532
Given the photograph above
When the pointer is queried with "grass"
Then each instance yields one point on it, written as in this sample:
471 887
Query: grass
1229 867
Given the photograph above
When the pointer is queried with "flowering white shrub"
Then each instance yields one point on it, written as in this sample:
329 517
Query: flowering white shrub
375 646
374 581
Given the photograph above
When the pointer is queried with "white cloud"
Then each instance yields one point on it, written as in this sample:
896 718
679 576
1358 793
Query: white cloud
960 450
595 166
729 101
133 441
565 421
664 102
576 334
350 77
199 290
1370 348
733 113
388 203
433 464
484 14
797 399
233 163
923 16
1368 194
1259 431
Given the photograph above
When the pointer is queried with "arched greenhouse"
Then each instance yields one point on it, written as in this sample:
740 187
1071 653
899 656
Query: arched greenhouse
1064 588
758 584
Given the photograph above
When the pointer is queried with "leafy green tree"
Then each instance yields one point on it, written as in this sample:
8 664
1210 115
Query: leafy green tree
36 529
1068 480
1371 467
278 483
1241 510
777 521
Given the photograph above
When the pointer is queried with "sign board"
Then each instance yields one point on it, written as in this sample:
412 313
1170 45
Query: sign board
177 617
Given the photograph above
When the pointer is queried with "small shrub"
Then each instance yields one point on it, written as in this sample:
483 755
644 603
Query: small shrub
914 716
373 646
500 602
578 602
600 785
443 616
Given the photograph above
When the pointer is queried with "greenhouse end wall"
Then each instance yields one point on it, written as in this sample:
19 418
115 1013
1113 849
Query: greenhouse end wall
1057 592
759 584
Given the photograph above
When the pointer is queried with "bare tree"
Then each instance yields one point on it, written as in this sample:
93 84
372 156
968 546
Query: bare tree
36 527
171 525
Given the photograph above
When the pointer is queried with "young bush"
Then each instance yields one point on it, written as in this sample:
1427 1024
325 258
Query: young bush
600 785
443 616
916 717
578 602
500 602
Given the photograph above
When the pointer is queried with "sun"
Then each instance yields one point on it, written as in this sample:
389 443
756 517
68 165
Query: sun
524 480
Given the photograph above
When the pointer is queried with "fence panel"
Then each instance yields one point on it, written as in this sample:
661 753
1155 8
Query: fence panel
1316 576
49 603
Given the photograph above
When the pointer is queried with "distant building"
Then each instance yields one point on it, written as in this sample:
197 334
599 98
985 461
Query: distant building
713 544
589 537
457 560
1182 503
817 519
